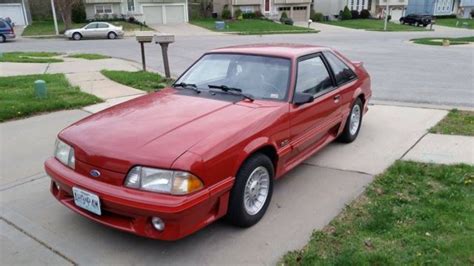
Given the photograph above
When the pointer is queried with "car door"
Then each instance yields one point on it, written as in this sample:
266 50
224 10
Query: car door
89 31
102 30
312 123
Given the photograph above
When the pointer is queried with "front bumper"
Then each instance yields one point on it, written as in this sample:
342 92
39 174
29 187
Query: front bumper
131 210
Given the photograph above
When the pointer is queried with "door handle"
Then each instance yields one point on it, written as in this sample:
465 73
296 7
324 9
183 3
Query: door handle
337 98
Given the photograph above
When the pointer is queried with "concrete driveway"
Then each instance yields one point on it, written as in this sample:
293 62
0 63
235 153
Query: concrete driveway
36 229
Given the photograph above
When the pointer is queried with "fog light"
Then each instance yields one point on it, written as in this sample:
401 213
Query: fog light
158 223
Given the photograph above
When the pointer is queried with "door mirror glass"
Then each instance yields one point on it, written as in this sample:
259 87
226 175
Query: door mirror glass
302 98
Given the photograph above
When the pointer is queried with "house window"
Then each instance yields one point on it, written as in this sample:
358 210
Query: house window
299 8
285 8
267 6
131 5
103 9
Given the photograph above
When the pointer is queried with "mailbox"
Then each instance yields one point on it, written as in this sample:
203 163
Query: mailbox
164 38
144 36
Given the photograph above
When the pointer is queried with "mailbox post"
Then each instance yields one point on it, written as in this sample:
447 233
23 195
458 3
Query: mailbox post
164 40
144 37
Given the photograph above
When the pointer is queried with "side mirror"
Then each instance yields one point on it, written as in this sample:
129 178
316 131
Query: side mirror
302 98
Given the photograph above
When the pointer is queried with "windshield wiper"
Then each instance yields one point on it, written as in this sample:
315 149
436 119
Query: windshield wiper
189 86
234 91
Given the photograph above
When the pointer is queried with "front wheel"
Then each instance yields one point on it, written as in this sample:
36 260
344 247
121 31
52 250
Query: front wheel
2 38
76 36
353 123
252 191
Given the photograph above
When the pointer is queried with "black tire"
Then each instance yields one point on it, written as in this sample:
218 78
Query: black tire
112 36
2 38
347 136
237 213
76 36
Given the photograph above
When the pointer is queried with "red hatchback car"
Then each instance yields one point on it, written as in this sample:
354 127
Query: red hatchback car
168 163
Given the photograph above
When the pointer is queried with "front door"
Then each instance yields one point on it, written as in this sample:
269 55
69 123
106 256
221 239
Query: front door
102 30
90 30
312 123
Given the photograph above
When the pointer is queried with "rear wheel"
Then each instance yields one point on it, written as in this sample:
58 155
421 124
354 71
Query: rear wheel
252 191
2 38
112 35
76 36
353 123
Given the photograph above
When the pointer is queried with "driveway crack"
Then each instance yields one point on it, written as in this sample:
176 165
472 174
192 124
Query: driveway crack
55 251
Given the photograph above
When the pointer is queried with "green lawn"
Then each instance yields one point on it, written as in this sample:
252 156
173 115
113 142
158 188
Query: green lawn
47 27
373 25
413 214
89 56
30 57
455 22
456 123
18 100
252 26
439 40
146 81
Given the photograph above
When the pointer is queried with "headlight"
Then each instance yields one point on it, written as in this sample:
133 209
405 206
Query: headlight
65 154
164 181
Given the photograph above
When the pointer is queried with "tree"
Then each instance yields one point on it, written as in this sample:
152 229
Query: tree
346 14
79 13
65 10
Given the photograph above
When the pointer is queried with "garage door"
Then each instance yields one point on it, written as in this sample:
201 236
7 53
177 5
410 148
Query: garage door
299 13
13 11
396 15
153 14
174 14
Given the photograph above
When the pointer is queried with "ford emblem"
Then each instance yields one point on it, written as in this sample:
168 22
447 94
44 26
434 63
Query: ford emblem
94 173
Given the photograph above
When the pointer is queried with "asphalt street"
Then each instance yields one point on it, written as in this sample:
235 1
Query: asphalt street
400 71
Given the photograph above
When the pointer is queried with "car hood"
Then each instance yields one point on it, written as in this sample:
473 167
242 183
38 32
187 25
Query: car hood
152 130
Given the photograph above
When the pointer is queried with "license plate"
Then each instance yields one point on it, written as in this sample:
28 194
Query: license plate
86 200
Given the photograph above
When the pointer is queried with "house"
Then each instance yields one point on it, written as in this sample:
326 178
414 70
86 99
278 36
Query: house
298 10
465 8
397 8
332 8
433 7
17 10
148 11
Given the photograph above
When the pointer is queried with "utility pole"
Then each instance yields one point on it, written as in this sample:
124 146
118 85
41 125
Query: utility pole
386 16
54 17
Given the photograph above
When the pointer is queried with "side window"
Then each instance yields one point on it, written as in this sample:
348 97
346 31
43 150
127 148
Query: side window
91 26
313 77
341 71
3 24
103 26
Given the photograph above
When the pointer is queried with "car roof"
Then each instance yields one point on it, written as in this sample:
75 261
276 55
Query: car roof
288 50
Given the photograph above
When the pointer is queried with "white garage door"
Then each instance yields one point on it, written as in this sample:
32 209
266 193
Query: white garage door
13 11
396 15
174 14
153 14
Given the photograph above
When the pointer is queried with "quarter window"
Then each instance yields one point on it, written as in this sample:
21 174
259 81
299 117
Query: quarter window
313 76
342 72
103 9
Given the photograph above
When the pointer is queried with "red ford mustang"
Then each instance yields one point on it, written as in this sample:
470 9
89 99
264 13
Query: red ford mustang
168 163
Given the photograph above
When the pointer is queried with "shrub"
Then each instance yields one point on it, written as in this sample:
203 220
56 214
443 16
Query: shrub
288 21
316 16
238 13
346 14
78 13
355 14
283 17
258 14
364 13
250 15
226 14
131 19
472 13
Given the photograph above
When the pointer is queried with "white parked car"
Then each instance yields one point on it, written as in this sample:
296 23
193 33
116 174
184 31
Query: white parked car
95 30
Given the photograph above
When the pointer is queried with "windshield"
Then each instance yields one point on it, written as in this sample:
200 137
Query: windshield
261 77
